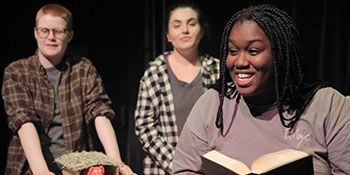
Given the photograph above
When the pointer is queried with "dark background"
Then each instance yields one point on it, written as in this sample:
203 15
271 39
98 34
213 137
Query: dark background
121 36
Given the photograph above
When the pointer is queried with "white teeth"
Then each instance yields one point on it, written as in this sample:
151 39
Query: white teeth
242 75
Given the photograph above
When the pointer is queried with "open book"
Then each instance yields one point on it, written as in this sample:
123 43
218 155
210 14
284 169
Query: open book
287 161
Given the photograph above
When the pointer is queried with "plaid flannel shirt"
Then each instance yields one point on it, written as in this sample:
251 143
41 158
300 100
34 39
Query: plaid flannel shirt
29 97
155 120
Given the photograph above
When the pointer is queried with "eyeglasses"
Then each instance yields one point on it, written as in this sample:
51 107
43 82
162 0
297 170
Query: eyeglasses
44 32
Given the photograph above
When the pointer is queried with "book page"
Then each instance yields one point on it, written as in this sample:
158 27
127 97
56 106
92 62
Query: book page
274 160
217 158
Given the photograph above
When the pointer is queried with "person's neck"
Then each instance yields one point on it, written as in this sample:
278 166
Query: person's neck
260 101
259 104
49 62
185 58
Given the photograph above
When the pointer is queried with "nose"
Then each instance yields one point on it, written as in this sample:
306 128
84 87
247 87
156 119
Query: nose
51 35
185 29
240 61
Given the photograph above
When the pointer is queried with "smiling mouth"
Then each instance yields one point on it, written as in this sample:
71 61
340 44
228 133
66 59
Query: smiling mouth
243 79
244 75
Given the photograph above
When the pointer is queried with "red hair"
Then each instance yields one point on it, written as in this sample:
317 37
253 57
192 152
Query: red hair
56 10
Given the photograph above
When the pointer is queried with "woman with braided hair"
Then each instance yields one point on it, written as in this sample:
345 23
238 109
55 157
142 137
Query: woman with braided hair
265 101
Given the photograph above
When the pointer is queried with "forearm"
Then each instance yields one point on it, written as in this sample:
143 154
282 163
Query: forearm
161 150
31 145
106 134
157 147
190 147
148 129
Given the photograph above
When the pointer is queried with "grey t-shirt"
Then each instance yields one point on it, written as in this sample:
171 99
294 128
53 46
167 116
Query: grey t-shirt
184 94
57 147
322 131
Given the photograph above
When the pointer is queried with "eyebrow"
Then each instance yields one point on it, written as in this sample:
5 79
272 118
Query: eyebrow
189 20
249 42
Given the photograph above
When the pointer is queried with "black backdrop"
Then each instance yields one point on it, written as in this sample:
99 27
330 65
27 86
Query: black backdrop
121 36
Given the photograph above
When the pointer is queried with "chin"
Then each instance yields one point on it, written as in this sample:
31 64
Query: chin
187 46
247 92
51 53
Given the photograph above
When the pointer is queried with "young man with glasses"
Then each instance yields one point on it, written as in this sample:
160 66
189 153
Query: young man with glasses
53 100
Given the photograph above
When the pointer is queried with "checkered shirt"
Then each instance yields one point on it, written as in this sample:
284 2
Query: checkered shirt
29 97
155 120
